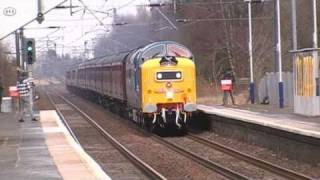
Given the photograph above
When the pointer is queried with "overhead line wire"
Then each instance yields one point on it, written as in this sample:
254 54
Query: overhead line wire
91 12
100 21
170 22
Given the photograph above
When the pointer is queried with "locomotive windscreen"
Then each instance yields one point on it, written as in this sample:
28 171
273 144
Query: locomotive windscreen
178 51
161 49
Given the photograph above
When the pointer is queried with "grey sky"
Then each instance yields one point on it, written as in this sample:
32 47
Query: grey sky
82 26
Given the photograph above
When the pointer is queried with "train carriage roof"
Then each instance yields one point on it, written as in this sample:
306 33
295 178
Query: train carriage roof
102 61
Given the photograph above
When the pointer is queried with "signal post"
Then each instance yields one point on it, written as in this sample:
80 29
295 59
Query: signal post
28 58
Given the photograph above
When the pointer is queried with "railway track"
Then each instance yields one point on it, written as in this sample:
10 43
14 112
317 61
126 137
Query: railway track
144 167
287 173
226 172
205 162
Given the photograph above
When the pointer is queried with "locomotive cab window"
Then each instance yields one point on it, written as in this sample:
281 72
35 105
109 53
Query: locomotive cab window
169 75
154 52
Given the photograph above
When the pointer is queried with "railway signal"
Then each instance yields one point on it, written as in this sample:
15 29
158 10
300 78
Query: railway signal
30 50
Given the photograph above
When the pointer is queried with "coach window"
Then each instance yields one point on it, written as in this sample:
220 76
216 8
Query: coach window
154 52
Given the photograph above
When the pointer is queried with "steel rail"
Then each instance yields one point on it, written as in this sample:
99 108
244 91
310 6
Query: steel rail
148 170
250 159
205 162
63 119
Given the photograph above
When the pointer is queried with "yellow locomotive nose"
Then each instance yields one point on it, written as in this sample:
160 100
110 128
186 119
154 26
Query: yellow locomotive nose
168 85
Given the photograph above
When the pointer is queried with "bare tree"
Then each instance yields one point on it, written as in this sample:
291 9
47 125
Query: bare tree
217 33
7 71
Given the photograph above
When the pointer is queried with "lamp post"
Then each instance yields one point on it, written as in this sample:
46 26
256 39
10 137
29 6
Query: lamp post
252 86
280 84
294 24
281 91
252 94
315 46
315 29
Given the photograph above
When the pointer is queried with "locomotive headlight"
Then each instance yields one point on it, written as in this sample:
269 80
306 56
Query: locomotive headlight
178 75
159 76
169 94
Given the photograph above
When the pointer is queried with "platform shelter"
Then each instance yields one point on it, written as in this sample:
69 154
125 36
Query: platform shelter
306 82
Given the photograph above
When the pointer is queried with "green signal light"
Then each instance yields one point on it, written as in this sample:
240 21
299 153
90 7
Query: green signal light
29 48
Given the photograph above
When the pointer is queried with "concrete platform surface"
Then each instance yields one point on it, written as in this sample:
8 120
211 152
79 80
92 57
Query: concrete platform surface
42 150
23 151
283 121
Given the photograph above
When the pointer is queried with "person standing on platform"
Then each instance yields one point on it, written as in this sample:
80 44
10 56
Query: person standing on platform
227 84
24 85
1 92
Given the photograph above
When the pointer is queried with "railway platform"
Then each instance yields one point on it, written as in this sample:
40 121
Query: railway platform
278 129
269 117
42 150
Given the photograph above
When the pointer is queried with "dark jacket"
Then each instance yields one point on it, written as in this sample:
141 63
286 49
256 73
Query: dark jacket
229 75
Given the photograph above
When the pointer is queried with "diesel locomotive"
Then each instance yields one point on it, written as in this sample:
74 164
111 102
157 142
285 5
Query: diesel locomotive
154 85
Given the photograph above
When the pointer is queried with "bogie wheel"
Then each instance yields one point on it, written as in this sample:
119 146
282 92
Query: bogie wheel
149 126
183 131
